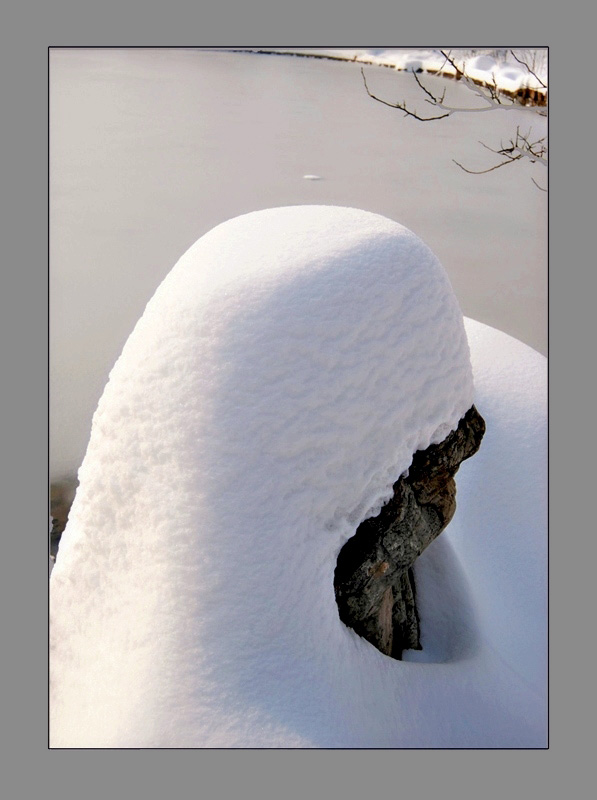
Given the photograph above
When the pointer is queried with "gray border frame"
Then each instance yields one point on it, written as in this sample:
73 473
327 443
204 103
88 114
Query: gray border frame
28 32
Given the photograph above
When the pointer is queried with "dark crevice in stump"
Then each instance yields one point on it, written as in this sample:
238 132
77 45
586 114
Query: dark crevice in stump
374 580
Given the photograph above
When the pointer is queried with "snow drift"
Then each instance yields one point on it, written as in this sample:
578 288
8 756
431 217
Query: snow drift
277 384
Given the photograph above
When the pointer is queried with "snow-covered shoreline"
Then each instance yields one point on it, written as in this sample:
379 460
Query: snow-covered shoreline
520 74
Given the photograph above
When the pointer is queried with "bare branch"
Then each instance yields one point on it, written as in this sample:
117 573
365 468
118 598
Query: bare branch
434 99
483 171
503 151
494 90
401 106
491 99
459 73
489 93
537 185
534 74
445 61
519 147
535 151
533 157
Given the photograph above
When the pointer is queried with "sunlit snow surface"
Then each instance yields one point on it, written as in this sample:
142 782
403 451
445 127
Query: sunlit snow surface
277 384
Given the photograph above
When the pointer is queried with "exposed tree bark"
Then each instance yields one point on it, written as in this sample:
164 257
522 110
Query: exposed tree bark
374 581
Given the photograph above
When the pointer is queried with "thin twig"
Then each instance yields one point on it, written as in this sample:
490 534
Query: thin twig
494 90
453 63
503 151
434 99
534 74
483 171
401 106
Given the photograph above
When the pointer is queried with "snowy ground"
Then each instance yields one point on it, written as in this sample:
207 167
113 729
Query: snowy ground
277 384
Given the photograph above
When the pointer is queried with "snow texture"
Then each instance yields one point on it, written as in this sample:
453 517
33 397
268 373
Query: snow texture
276 386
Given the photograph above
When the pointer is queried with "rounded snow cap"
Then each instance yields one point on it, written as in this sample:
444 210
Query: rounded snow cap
276 386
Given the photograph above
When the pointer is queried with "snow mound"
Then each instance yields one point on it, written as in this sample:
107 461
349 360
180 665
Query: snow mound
277 384
483 62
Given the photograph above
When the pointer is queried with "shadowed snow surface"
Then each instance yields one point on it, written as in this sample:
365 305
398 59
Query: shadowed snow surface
276 386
